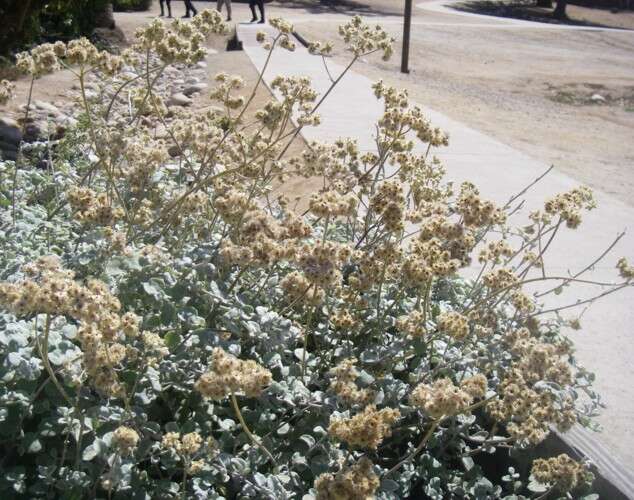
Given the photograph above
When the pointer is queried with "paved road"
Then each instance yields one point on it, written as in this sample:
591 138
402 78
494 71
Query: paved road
605 345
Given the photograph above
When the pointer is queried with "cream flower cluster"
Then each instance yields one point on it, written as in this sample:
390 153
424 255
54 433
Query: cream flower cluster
297 92
528 410
125 440
320 48
561 472
363 39
321 263
186 444
454 324
568 205
412 324
92 207
223 92
53 290
6 91
625 269
475 211
389 203
344 384
494 251
333 204
365 430
358 482
230 375
48 57
442 398
181 41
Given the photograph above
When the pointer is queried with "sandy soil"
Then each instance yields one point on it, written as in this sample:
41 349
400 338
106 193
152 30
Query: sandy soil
529 88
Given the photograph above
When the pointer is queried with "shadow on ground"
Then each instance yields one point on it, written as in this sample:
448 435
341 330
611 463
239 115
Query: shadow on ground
526 11
347 7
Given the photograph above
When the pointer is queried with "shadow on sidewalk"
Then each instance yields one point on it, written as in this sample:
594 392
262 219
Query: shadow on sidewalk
348 7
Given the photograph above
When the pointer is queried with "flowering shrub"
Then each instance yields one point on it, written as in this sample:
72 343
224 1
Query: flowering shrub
168 326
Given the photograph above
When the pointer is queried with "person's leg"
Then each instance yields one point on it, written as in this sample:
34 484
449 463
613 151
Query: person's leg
189 7
254 18
261 7
219 5
228 4
162 11
169 7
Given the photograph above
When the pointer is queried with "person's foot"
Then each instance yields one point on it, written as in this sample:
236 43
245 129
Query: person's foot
228 19
261 21
170 16
161 14
253 20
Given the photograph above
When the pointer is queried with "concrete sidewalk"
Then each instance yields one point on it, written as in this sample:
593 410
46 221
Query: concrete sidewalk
605 344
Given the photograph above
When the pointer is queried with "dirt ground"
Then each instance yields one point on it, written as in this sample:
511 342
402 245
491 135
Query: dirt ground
529 88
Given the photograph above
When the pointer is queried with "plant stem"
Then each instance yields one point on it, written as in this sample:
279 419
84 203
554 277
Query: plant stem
47 365
247 431
419 448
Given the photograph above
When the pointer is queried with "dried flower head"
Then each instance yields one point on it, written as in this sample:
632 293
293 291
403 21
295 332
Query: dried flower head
367 429
230 375
358 482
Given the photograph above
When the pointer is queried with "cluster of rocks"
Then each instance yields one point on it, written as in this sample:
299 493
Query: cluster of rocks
44 121
47 122
182 90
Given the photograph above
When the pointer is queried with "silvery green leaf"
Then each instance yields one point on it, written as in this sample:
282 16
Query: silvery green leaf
308 440
283 429
97 449
389 485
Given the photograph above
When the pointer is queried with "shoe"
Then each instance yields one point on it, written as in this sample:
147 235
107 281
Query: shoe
228 19
253 20
261 21
161 14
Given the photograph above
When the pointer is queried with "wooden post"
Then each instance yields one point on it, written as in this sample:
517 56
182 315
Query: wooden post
407 25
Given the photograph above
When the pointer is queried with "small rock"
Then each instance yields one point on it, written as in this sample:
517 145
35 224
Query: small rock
67 121
8 146
179 99
47 107
201 64
10 131
128 75
597 98
33 131
197 87
180 81
6 153
173 151
192 81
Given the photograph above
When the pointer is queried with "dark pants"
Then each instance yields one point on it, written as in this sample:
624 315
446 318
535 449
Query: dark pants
169 7
260 4
189 6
